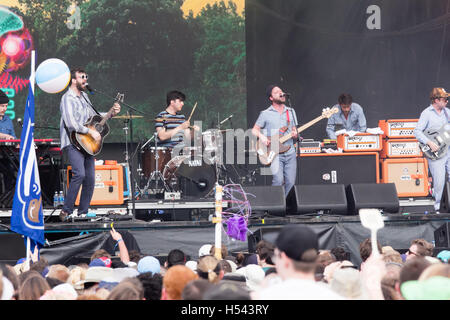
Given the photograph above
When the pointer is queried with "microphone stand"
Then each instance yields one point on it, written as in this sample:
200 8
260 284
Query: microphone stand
297 139
127 159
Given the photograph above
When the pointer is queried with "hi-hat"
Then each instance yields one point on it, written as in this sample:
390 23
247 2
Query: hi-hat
127 117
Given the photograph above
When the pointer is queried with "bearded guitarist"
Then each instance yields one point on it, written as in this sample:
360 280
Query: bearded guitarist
282 120
76 109
434 117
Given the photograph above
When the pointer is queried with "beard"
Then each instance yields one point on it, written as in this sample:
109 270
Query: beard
279 100
80 87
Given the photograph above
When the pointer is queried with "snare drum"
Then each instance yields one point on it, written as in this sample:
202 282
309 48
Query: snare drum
149 159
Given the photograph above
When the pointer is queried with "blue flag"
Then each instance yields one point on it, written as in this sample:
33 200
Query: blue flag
27 217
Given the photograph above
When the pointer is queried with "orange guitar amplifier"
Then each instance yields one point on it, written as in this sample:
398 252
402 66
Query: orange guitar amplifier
108 185
359 142
409 175
398 128
401 148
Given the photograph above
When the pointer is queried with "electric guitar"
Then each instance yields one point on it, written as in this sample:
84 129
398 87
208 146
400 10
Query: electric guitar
441 138
266 154
84 141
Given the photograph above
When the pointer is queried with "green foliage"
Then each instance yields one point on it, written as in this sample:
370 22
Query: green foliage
144 48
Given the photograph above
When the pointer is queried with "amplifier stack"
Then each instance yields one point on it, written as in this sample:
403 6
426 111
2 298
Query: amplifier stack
402 161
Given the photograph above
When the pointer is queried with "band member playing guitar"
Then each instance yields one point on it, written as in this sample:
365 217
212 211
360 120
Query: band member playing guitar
76 109
278 119
432 119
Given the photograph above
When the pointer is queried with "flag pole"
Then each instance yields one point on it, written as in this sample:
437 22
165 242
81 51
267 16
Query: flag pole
32 82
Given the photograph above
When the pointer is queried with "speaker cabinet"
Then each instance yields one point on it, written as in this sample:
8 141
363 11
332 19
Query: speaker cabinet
269 234
342 168
12 248
108 185
313 198
409 175
372 195
441 236
267 199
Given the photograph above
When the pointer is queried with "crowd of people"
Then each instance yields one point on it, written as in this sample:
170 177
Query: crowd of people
291 268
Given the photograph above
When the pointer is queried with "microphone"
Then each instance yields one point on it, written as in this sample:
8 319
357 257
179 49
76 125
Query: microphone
285 94
19 121
91 91
226 119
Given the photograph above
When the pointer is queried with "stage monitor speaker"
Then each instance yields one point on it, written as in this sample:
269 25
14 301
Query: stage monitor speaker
269 234
267 199
330 199
372 195
442 236
12 248
343 168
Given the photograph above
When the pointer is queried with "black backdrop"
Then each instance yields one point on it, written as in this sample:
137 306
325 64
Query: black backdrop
316 50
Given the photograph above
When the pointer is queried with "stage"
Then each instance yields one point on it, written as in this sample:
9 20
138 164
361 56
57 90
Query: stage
159 226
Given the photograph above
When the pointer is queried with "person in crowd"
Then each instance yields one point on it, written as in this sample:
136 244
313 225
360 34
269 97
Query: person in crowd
195 289
152 283
209 268
174 281
419 248
295 257
128 289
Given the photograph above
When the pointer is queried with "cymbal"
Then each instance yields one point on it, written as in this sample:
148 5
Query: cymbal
127 117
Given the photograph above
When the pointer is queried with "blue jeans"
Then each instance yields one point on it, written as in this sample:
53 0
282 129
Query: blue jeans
284 170
83 174
440 170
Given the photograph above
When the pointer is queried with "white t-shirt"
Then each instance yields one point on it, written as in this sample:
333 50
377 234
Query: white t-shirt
297 289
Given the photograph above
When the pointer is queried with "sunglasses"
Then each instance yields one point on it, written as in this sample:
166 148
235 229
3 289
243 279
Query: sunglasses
84 76
410 252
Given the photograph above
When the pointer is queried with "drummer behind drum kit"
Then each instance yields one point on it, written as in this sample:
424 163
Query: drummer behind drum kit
191 173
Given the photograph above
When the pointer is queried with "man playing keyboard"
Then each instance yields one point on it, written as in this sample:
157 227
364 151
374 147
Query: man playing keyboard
6 125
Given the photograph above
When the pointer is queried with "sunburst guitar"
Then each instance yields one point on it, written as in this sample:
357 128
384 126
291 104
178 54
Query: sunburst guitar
84 141
267 154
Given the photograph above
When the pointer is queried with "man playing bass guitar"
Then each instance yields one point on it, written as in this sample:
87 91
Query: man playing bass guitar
431 119
76 109
279 119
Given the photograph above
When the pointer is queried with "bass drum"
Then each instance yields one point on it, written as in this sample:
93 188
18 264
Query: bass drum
149 159
190 176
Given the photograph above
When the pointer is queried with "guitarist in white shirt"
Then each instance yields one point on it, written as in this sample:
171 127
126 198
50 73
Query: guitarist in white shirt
282 120
432 119
76 109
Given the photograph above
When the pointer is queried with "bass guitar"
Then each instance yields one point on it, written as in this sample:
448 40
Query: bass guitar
266 153
442 138
84 141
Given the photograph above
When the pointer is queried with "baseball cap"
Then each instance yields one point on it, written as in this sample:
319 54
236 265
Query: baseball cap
149 264
97 263
295 240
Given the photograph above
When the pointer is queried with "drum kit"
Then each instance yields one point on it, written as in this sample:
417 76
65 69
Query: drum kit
192 172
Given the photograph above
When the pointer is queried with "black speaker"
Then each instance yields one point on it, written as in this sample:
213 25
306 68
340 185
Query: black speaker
342 168
444 206
442 237
269 234
12 248
313 198
267 199
372 195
